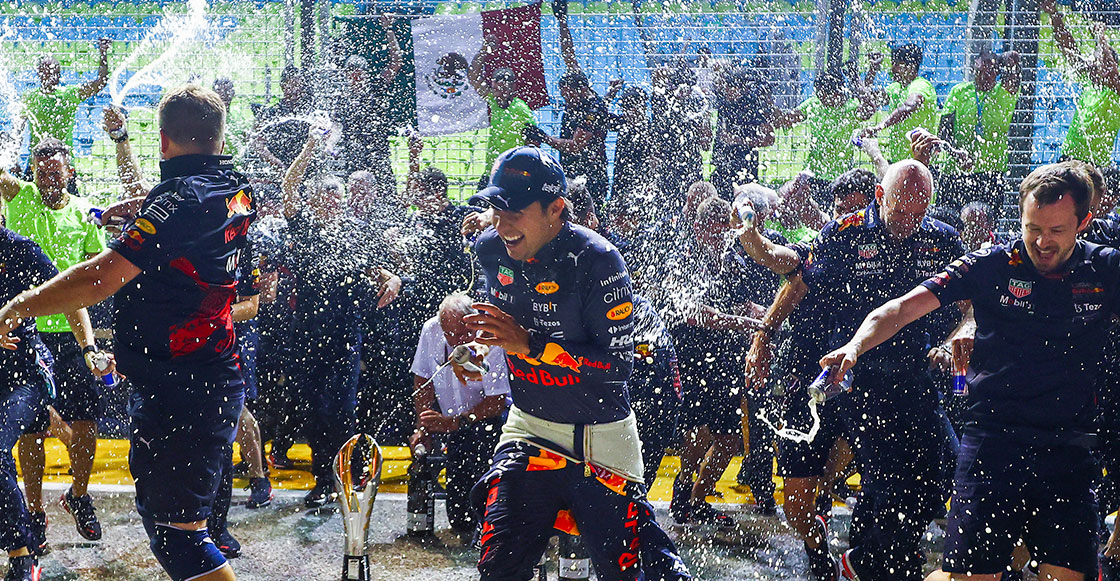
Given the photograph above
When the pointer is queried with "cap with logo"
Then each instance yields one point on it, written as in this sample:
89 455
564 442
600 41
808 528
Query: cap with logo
521 176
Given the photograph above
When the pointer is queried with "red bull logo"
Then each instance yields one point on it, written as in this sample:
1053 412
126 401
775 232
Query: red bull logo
239 205
556 355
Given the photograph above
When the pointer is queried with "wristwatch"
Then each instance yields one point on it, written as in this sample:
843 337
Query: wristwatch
118 135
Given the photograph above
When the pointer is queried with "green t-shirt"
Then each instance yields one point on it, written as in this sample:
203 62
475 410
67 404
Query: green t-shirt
52 114
988 147
898 147
505 127
1092 134
830 154
64 235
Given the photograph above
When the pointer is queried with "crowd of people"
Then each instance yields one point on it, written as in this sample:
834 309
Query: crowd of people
607 316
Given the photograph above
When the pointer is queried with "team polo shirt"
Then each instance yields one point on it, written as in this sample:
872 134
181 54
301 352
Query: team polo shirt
856 266
22 266
187 240
983 122
64 235
574 298
830 128
1039 338
506 125
1092 133
52 114
898 146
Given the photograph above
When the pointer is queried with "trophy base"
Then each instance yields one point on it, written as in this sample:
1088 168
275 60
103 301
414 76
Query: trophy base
356 568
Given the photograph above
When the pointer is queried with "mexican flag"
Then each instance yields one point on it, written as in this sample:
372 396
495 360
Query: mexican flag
432 92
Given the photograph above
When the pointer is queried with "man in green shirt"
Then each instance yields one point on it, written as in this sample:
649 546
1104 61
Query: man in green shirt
1092 134
831 116
56 220
978 114
50 109
509 115
911 99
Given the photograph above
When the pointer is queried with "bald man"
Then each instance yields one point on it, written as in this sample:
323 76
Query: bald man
902 441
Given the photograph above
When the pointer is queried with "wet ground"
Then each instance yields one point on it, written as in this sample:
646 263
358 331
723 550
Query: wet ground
287 542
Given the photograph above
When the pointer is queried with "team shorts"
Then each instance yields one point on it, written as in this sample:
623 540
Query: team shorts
714 405
808 459
77 391
1007 490
182 429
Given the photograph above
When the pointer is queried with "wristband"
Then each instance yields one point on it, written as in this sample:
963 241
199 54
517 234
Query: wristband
89 349
118 135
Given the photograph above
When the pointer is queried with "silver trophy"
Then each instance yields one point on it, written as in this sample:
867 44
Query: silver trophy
357 474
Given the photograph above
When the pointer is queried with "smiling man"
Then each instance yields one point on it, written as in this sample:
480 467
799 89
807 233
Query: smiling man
569 455
1042 305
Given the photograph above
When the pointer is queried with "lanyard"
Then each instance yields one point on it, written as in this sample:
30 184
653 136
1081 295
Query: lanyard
979 116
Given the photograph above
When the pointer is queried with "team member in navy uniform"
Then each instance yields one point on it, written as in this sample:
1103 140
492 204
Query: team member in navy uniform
25 385
901 437
1042 307
569 452
175 265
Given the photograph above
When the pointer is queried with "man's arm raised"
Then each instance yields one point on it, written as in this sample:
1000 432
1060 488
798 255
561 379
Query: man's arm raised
880 325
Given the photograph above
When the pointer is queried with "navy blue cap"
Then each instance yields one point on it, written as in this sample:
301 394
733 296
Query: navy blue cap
521 176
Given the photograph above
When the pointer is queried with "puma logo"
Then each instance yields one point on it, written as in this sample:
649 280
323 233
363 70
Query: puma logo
575 257
147 443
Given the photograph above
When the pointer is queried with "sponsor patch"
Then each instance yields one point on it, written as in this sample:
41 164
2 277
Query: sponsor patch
620 312
547 288
145 225
1019 288
505 275
868 250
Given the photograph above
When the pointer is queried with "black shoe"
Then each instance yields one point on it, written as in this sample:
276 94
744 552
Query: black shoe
1110 569
37 541
241 469
700 512
228 545
23 569
84 517
260 493
322 495
678 505
766 506
821 564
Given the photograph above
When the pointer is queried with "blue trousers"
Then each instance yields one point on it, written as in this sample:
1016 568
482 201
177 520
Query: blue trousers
18 409
327 374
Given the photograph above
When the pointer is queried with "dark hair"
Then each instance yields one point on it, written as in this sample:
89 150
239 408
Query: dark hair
947 215
579 198
909 54
976 206
1050 183
290 72
50 147
1100 187
194 117
432 180
574 79
854 181
505 71
827 82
